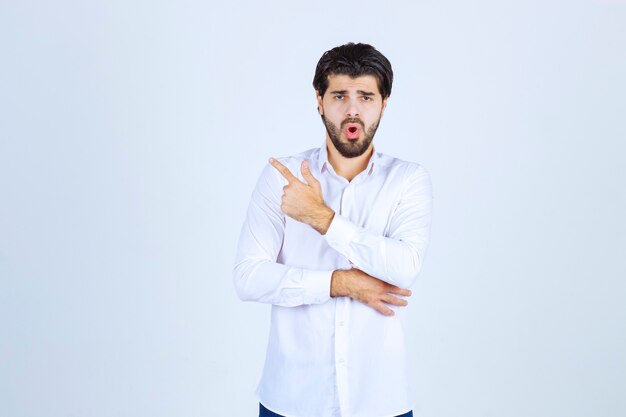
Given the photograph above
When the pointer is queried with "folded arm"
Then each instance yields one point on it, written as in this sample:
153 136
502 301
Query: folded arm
398 257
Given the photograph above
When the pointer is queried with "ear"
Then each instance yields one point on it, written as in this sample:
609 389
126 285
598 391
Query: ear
320 105
382 111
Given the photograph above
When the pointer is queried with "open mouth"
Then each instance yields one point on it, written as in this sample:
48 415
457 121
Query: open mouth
352 131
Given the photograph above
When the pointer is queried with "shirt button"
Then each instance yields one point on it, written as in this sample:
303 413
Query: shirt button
341 360
341 323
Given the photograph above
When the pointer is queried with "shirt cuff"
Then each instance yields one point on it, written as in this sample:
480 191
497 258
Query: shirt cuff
340 234
316 285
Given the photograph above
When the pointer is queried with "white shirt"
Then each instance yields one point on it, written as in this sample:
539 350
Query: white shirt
326 356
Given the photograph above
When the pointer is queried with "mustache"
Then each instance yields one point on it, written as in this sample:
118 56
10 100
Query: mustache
353 120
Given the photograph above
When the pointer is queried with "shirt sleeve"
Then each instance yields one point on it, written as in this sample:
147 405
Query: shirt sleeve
256 274
398 257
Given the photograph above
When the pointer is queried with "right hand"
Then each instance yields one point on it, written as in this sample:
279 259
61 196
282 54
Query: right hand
367 289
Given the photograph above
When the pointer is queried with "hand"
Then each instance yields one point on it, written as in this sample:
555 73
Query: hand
304 202
367 289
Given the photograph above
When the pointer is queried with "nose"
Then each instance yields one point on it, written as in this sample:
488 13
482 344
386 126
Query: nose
353 108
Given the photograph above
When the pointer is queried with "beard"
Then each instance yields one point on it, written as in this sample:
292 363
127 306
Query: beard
351 148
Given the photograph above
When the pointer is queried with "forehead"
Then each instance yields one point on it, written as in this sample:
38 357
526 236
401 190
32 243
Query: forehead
345 82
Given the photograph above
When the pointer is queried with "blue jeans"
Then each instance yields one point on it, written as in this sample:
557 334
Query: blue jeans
264 412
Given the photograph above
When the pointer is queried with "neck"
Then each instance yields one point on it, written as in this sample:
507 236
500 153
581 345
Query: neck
347 167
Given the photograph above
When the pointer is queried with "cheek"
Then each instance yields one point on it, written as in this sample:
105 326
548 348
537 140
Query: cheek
329 106
333 112
372 115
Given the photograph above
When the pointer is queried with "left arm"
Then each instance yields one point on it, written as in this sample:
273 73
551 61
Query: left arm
397 258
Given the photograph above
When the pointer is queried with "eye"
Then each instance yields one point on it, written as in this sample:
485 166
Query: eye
338 96
367 98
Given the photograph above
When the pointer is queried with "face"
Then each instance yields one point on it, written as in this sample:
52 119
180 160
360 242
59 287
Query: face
351 110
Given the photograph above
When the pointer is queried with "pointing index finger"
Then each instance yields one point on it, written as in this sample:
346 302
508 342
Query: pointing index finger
284 171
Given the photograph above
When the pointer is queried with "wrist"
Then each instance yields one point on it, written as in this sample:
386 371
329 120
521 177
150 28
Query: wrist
338 284
330 215
323 220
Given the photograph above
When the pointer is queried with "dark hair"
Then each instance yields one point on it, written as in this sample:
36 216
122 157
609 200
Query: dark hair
354 60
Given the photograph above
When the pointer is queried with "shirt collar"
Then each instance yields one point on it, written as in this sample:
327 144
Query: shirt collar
323 160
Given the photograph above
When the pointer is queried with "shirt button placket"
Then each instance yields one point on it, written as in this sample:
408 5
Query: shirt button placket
341 337
341 351
346 200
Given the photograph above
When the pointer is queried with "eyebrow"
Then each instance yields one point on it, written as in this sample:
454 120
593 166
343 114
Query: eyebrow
361 92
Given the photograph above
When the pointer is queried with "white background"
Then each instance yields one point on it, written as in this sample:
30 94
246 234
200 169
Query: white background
132 134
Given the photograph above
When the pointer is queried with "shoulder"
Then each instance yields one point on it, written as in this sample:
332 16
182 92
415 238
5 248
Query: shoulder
292 162
407 170
412 178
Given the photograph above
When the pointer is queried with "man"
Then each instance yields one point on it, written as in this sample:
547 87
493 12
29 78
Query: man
333 239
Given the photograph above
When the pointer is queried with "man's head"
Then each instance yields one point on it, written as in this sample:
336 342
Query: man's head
352 84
